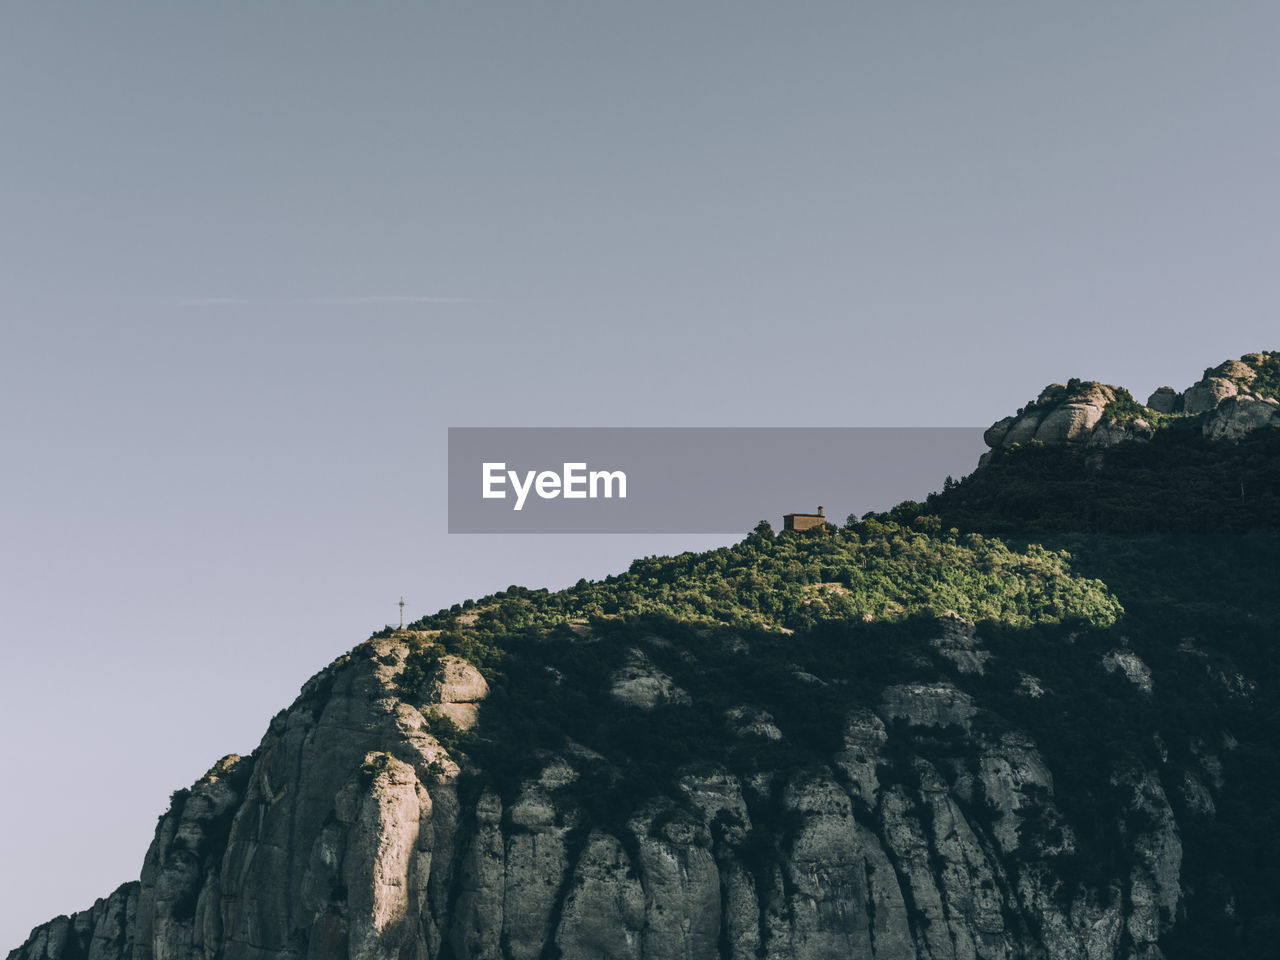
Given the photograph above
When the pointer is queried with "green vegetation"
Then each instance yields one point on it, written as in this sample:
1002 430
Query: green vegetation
1052 395
375 764
1124 408
1167 549
1267 383
880 567
1186 531
799 627
1179 482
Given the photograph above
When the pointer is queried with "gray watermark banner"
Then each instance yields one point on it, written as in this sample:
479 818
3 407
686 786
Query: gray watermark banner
691 479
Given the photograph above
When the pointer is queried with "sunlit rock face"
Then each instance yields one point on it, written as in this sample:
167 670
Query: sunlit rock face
1232 399
1041 774
347 834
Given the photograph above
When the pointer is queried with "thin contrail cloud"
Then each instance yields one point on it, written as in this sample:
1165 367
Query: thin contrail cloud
344 301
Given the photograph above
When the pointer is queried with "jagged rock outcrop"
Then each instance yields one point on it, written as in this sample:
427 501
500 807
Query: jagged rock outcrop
1206 394
1240 415
927 705
1165 400
754 766
1130 665
348 833
746 721
457 688
103 932
638 683
1232 399
1061 414
957 641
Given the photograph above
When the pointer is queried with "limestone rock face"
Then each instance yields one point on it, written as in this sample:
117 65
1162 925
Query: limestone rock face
178 902
901 815
1111 432
103 932
995 435
1235 398
322 840
383 817
864 736
457 689
1207 394
1164 400
927 705
749 722
1240 415
957 641
639 683
456 681
349 834
604 913
1240 369
1232 399
1014 779
681 883
1131 666
1061 414
1074 422
1154 892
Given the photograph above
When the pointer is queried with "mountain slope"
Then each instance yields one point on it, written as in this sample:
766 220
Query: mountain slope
1035 716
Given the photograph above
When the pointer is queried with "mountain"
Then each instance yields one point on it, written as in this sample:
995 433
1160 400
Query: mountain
1037 715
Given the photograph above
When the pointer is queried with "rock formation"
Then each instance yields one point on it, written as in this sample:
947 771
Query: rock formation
1231 400
689 779
349 833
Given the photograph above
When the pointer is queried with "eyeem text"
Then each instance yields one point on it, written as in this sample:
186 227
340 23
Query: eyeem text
574 482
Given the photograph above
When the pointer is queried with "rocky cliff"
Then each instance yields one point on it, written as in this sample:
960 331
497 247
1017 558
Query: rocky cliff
1229 401
899 739
350 833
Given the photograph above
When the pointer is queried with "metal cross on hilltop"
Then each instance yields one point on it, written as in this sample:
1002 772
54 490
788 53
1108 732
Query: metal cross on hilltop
402 613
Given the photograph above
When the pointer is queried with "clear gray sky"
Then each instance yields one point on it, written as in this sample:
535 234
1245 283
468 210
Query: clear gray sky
256 258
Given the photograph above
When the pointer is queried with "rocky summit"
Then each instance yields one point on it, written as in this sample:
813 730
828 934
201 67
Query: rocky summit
1229 401
1035 716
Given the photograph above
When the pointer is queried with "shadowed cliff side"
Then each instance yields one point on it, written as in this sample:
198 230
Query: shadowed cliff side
1035 716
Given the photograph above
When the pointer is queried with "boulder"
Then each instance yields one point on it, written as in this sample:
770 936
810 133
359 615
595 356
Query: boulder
1237 416
639 683
1070 423
457 681
1235 370
1164 400
1207 394
457 688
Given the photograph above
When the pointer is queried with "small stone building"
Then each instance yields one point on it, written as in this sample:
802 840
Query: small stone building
803 521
